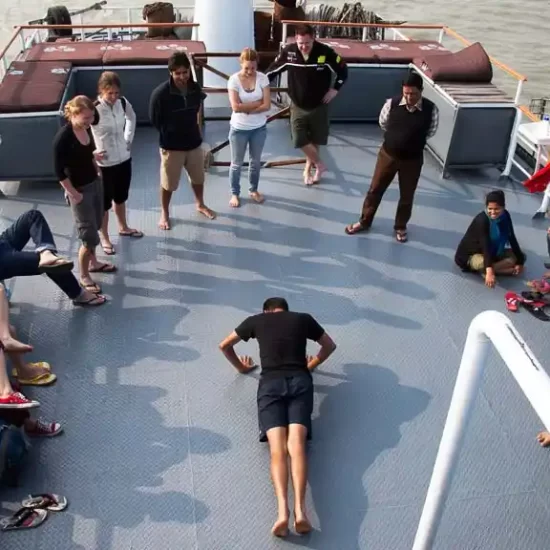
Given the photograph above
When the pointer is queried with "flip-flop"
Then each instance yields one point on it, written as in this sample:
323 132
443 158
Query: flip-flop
108 249
24 518
540 285
97 300
401 236
48 501
134 234
359 229
91 287
61 265
37 365
104 268
44 379
512 301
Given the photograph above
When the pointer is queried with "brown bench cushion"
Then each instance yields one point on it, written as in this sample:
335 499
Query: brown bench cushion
30 97
33 87
148 52
78 53
391 52
44 72
472 64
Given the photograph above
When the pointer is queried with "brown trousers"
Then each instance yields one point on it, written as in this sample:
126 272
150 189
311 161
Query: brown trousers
387 167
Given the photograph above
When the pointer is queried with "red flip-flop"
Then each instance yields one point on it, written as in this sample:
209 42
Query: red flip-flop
512 301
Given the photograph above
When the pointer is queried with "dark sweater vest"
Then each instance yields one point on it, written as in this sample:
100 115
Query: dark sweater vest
406 132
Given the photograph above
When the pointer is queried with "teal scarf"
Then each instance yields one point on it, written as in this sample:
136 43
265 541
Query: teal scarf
499 233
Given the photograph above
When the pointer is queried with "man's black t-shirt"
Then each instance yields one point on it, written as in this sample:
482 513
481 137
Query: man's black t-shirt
282 337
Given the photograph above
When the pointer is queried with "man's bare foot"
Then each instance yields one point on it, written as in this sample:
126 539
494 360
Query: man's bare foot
15 346
205 211
302 526
256 197
50 261
308 179
280 528
235 202
89 285
320 169
544 439
164 223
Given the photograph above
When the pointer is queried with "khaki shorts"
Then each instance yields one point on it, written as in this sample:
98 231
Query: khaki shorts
477 263
309 126
173 162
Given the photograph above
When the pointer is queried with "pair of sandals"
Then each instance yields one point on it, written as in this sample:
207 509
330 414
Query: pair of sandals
109 249
354 228
34 511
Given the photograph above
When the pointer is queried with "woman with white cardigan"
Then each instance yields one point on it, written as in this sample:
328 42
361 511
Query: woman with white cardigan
113 129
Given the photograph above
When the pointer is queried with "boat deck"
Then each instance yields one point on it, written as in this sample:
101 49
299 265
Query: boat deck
161 447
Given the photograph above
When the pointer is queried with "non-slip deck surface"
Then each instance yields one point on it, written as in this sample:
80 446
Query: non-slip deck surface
161 450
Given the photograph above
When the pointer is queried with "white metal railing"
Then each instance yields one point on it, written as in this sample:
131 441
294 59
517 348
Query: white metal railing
486 328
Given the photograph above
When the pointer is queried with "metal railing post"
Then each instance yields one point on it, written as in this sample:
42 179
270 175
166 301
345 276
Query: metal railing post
487 327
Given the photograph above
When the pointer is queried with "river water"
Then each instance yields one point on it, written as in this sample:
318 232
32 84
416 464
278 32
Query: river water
513 32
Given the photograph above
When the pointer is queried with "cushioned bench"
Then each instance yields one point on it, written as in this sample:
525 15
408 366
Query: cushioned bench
33 87
391 52
98 54
148 52
78 53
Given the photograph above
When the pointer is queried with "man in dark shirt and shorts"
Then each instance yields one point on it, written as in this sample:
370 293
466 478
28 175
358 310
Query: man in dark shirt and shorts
312 66
285 395
174 110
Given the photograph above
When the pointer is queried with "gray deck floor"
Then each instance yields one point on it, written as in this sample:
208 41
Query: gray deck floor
161 450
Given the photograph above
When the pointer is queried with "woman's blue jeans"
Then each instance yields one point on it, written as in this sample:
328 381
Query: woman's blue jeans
239 140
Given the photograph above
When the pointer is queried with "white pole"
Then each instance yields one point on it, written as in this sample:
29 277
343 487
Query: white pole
513 144
489 326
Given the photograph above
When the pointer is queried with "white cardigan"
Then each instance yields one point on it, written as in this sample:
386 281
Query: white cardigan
113 131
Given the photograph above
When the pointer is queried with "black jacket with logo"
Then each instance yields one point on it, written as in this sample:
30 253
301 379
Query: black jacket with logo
309 81
175 115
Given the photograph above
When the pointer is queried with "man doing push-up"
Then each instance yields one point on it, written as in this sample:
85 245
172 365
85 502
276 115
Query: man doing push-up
285 395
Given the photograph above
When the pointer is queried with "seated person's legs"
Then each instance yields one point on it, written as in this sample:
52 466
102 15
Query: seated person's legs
503 266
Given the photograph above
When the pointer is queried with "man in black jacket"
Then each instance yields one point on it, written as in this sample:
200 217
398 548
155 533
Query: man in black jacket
311 67
174 111
408 121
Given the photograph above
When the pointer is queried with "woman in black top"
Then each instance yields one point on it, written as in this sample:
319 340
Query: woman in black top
484 246
78 173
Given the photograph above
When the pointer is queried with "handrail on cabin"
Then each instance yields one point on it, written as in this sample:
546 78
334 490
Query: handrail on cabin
110 26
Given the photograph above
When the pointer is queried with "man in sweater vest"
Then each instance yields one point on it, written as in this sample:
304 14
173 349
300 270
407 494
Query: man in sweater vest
408 121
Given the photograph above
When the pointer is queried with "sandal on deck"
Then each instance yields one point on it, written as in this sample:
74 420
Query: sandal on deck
48 501
24 518
104 268
401 236
133 233
61 265
512 301
91 287
44 379
108 249
354 228
96 300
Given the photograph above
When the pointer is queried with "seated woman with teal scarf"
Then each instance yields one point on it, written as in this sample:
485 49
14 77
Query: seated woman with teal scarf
484 247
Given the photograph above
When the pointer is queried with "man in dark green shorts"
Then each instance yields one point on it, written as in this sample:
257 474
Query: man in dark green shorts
285 395
312 67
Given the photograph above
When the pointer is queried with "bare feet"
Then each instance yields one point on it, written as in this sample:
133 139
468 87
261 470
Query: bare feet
107 247
15 346
280 527
320 169
354 228
164 223
88 298
235 202
256 197
205 211
544 439
308 179
89 285
302 526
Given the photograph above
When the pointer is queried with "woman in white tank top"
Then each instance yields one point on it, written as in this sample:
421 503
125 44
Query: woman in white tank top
250 97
